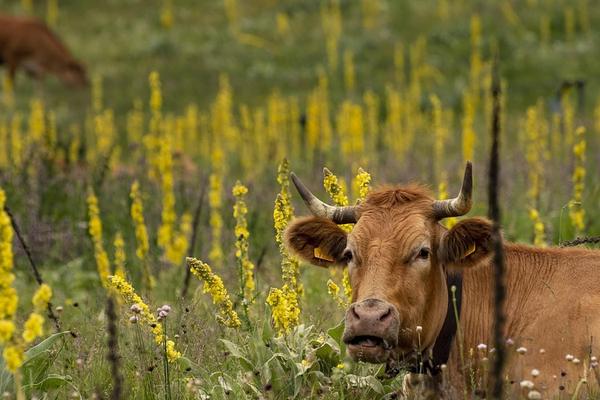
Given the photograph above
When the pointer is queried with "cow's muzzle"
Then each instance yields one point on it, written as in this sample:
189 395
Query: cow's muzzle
371 331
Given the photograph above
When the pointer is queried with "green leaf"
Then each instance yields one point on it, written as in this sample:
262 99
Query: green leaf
43 345
336 333
51 382
235 351
39 358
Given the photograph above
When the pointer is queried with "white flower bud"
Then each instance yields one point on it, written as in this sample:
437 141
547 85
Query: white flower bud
133 319
526 384
569 357
482 347
534 395
535 372
521 350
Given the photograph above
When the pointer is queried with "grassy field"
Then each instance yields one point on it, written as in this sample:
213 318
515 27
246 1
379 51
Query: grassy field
189 97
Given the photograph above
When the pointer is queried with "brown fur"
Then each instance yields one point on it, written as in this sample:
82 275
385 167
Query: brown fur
305 234
457 242
552 294
28 44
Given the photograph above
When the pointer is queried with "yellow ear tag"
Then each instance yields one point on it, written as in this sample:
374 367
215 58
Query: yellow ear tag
322 256
471 250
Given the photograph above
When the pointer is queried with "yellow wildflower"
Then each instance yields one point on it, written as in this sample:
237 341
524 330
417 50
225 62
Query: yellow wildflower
7 330
346 284
13 357
42 297
576 210
284 302
166 14
361 184
137 215
213 285
284 308
334 188
241 243
95 230
33 328
334 291
128 293
120 256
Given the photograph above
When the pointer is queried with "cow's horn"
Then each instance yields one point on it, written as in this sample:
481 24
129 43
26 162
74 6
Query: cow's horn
459 205
339 215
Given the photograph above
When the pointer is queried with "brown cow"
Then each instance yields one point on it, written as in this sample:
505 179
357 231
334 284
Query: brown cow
29 44
402 262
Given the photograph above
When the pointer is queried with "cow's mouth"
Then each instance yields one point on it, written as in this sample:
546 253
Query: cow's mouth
373 349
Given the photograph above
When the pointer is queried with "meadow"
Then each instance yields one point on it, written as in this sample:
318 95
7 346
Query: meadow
182 147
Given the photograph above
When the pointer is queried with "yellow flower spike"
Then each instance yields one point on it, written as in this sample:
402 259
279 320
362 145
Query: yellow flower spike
120 256
241 243
362 184
137 215
42 297
346 284
334 291
33 328
576 210
95 231
166 14
468 132
7 330
213 285
127 292
284 302
13 357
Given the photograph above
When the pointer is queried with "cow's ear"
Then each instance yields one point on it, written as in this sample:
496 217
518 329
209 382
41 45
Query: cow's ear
466 243
316 240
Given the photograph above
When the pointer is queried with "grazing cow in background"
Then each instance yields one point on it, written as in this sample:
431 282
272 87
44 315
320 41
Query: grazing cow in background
407 272
29 44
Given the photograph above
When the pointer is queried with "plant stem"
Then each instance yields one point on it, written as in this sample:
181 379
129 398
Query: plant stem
166 363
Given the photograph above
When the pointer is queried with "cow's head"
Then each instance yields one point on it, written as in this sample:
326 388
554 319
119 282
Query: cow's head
397 255
74 74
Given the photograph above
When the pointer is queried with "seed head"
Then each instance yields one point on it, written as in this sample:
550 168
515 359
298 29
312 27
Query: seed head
482 347
134 319
535 372
534 395
569 357
521 350
526 384
419 329
136 309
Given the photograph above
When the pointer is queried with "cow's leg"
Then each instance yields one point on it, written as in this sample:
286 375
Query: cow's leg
12 71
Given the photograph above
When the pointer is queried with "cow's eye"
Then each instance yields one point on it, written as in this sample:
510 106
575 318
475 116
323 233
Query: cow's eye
347 256
423 253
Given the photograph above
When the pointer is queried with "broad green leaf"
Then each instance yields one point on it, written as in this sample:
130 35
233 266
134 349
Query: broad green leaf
235 351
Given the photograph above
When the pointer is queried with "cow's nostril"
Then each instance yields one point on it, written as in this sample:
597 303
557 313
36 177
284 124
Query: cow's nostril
386 314
354 313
